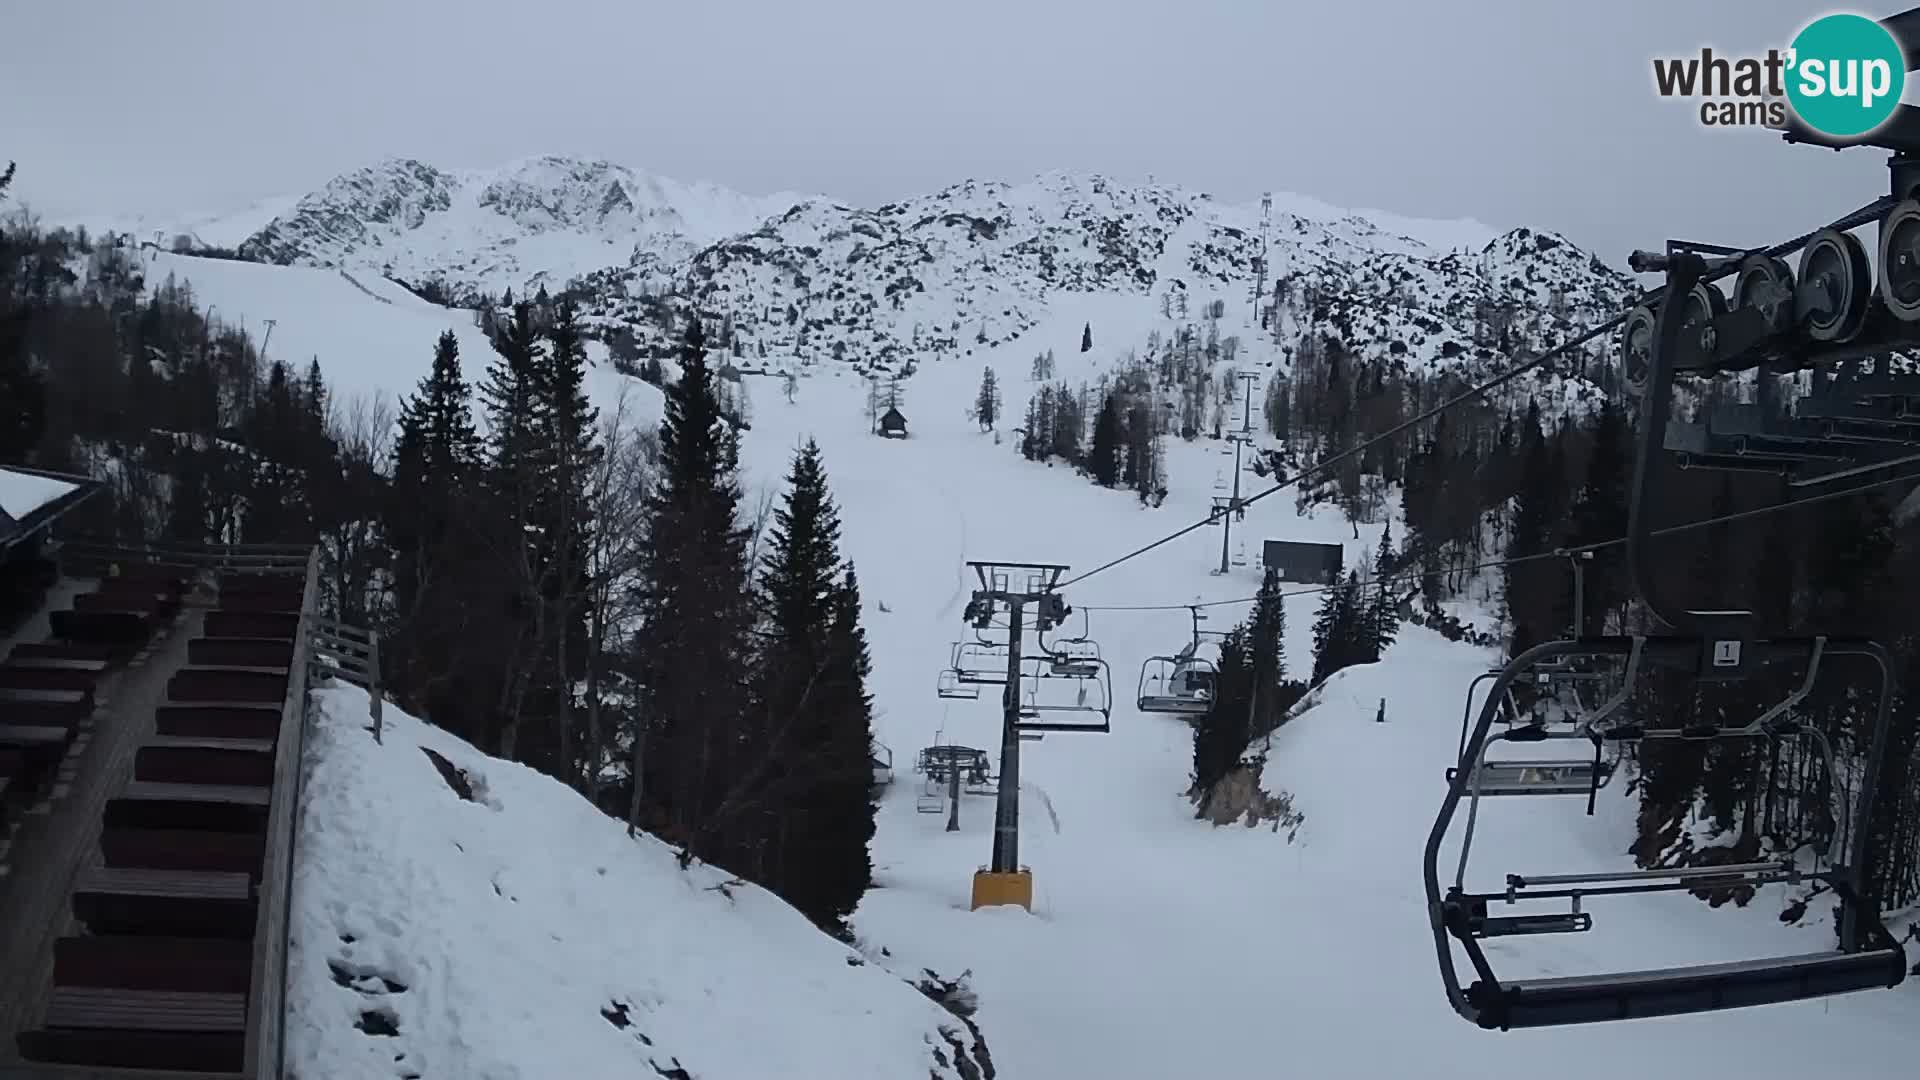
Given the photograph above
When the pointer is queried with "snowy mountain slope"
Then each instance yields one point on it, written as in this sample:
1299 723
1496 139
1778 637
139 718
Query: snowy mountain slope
374 339
1160 946
979 264
806 282
521 934
539 220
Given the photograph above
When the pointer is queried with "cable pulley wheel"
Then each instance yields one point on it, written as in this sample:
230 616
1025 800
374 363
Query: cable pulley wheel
1766 284
1836 283
1705 303
1900 261
1636 349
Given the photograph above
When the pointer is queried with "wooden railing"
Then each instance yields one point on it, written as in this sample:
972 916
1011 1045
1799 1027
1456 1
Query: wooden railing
266 1011
344 651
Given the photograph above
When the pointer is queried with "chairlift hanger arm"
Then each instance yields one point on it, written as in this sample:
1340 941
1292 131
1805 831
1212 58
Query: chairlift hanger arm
1868 958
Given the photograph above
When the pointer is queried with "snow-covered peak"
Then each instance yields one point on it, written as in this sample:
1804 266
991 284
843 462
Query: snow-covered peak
537 220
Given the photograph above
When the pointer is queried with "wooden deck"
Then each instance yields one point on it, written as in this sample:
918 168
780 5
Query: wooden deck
58 982
59 835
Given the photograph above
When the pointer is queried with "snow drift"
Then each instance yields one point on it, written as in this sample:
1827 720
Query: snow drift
519 933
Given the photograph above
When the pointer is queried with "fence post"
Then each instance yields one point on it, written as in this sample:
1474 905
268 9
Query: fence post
373 681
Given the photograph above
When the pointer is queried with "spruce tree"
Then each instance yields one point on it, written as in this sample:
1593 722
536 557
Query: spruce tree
695 612
1103 457
1221 735
1086 338
1266 633
563 514
986 404
435 467
1381 623
1338 637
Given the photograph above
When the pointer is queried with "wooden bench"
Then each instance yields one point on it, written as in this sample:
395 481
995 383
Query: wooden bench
262 686
241 652
212 807
144 1029
252 624
138 848
172 903
179 759
48 673
218 721
26 706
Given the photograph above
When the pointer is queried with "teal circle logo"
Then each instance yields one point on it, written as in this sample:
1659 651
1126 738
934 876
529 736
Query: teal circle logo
1846 75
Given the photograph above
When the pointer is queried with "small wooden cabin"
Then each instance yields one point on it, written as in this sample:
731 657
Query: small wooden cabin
892 424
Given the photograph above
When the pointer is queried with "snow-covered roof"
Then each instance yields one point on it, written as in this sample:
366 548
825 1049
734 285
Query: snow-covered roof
30 498
21 493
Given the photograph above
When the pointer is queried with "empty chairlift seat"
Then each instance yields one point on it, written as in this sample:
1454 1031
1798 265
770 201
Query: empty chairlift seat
1676 991
1562 777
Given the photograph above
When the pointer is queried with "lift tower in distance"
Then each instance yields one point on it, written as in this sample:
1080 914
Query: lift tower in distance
1225 510
1020 590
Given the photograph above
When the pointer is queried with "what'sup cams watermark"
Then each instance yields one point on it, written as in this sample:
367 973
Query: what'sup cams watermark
1842 76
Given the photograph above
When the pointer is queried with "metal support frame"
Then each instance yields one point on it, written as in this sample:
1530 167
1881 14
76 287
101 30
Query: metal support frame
1018 588
1234 506
1868 956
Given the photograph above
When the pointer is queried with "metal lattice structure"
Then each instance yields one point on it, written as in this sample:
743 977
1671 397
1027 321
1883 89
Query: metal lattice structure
1836 396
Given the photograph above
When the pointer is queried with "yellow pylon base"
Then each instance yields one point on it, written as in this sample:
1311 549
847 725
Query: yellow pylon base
992 890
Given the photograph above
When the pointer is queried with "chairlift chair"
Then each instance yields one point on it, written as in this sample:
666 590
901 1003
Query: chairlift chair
950 686
1180 685
932 797
977 662
1092 700
1868 958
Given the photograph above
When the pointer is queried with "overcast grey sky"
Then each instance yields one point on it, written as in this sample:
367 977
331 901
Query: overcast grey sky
1535 112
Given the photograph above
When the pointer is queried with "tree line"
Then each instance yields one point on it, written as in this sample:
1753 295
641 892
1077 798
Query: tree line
573 591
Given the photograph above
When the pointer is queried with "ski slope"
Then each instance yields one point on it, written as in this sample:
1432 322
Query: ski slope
373 338
1159 947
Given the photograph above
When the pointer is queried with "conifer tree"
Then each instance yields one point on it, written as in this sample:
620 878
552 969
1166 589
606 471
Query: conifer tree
1221 735
1086 338
1381 623
1103 457
986 404
1266 633
563 514
694 611
1337 631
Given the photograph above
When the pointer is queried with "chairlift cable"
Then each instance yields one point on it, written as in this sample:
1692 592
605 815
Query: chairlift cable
1556 553
1865 215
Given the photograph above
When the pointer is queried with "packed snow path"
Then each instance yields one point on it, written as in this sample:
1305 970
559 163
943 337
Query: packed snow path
1159 946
